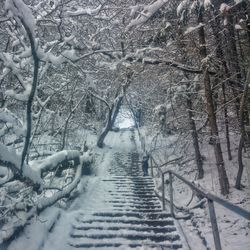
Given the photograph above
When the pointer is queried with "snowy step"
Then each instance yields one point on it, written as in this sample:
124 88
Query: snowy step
140 204
134 186
111 242
125 246
122 172
136 207
129 178
137 196
134 201
146 222
123 216
133 214
133 190
160 237
138 180
128 228
145 211
135 174
143 193
129 181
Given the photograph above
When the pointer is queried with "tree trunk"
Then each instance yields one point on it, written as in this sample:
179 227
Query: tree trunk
223 180
219 53
243 133
116 109
198 157
232 49
31 97
107 128
226 123
240 163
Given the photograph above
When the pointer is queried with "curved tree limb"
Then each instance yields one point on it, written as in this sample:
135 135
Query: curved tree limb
32 94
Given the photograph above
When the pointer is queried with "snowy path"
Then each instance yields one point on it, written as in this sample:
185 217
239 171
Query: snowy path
118 210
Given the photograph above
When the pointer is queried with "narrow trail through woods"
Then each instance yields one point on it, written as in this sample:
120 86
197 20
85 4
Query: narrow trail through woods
118 209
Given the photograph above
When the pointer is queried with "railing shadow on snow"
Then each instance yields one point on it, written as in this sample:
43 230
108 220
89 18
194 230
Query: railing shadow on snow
211 198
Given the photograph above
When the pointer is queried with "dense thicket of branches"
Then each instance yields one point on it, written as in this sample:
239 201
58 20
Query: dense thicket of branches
67 66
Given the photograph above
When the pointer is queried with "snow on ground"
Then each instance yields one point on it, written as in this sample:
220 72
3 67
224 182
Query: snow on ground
234 230
91 198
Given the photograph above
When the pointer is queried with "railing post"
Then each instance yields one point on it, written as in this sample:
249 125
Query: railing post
213 220
171 194
163 192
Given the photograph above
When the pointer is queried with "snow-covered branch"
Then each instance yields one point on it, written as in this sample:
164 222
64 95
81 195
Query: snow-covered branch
84 11
48 201
147 12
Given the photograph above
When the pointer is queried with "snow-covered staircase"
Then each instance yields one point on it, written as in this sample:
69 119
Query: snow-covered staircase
131 217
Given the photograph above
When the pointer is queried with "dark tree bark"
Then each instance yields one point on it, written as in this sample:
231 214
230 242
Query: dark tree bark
195 137
107 128
226 122
233 61
223 180
216 28
243 132
31 96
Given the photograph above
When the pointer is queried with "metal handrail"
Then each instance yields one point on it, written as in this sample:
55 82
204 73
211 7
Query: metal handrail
211 198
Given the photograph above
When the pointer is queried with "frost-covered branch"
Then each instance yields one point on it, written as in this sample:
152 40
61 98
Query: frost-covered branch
48 201
51 162
100 99
84 11
171 63
147 12
32 94
23 16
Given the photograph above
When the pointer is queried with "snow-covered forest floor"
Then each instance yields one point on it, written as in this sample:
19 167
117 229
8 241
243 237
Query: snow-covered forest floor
59 221
50 229
69 68
234 230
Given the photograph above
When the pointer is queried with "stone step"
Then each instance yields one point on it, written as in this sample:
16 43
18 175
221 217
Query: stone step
132 190
139 236
129 178
137 207
137 196
120 171
133 186
151 193
133 219
151 215
134 201
128 228
142 222
124 172
130 182
123 246
144 211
